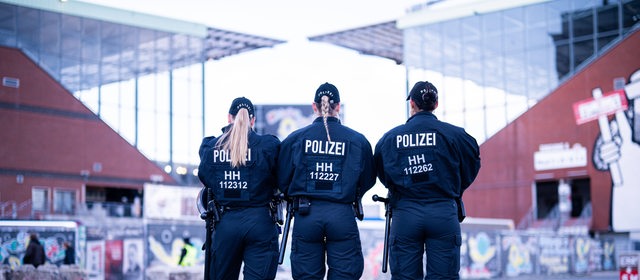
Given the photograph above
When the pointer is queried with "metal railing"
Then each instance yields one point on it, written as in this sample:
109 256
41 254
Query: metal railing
114 209
23 210
13 210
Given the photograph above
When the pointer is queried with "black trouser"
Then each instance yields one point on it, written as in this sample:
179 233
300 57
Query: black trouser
418 226
329 228
246 235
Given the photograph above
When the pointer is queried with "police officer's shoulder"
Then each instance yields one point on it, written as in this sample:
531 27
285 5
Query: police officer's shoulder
207 143
351 130
357 135
207 140
270 139
293 136
273 137
392 132
456 133
451 128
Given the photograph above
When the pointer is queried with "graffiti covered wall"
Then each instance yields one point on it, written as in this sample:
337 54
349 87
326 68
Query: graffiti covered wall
15 239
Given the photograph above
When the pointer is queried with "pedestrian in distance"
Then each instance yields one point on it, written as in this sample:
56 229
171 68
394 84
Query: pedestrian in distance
69 253
34 253
188 253
426 165
238 169
324 169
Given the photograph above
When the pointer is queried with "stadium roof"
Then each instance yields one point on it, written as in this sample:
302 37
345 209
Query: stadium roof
122 44
386 39
383 39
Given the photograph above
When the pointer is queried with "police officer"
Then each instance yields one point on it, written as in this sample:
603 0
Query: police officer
325 167
426 164
238 169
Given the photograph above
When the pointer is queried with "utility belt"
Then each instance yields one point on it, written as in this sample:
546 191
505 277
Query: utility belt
274 207
223 209
302 205
215 211
275 211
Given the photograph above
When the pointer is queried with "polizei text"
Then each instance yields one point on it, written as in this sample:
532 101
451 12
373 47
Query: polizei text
223 156
423 139
324 147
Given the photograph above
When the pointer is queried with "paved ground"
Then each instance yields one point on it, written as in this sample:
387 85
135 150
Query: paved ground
607 275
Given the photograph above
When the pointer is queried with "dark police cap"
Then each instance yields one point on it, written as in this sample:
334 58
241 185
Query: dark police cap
329 90
239 103
423 93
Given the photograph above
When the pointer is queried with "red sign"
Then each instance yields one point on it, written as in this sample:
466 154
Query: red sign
628 267
628 274
592 108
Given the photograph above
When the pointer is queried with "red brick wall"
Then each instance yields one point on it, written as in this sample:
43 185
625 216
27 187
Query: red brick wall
503 187
45 130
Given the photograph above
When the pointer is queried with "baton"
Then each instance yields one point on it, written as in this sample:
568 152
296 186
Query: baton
287 224
387 229
209 215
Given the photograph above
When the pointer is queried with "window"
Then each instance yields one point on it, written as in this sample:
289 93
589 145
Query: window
64 202
40 199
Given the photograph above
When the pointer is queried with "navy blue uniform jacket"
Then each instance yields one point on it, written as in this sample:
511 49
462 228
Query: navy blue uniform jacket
310 165
426 158
252 185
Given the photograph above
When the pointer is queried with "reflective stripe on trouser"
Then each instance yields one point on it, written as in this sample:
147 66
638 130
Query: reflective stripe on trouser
328 228
248 235
417 226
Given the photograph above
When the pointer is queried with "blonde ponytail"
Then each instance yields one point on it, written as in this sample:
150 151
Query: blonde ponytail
236 139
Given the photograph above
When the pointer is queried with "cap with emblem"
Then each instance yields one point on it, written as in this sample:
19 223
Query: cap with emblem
329 90
424 94
239 103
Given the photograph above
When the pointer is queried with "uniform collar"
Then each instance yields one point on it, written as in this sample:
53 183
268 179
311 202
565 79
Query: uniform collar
421 114
226 128
329 119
